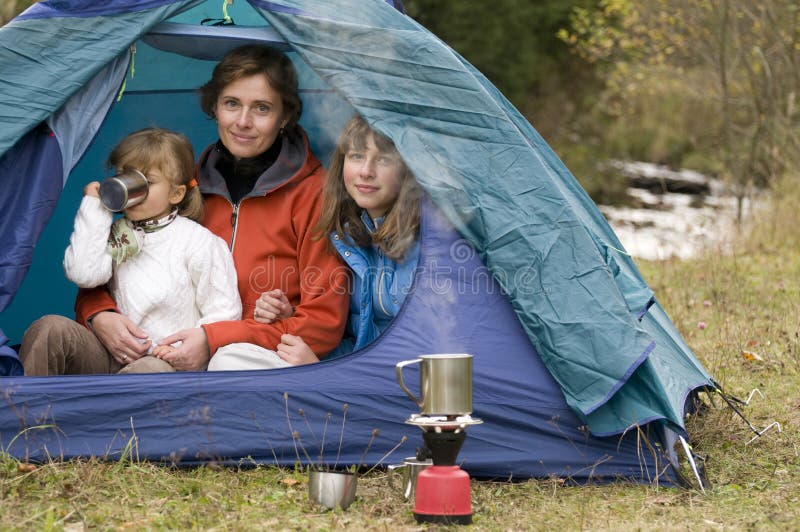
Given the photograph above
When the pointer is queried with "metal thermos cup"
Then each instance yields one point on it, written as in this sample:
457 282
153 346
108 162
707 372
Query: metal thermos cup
409 469
445 383
123 190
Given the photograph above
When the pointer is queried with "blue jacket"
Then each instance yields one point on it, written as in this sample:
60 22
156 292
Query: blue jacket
375 280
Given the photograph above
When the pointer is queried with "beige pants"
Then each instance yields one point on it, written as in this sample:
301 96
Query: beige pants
55 345
148 364
240 357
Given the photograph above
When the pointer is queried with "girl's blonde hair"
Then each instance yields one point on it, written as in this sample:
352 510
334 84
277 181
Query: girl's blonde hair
169 152
340 212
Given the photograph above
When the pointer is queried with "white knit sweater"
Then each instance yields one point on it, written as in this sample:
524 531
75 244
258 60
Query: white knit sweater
182 277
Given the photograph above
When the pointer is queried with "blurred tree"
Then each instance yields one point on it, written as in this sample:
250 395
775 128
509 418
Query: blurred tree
739 58
11 8
512 42
515 44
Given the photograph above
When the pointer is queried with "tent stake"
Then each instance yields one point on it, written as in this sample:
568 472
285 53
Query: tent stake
690 457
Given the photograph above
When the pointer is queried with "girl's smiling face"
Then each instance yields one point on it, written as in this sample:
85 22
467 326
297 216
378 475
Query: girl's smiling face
373 177
249 115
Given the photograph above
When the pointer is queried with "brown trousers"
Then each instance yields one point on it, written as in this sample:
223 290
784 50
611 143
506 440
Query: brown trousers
55 345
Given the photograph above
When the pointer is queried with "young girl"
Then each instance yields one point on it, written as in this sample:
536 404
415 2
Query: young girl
165 271
371 214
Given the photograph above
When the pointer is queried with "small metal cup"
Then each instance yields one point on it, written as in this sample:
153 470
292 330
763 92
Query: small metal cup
332 488
124 190
445 383
409 469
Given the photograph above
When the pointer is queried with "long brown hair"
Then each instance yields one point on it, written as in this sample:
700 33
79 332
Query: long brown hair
169 152
340 212
251 60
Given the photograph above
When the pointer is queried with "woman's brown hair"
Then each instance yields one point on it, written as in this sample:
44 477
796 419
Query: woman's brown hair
340 212
251 60
169 152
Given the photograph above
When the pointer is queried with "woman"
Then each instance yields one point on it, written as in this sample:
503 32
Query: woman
261 184
370 217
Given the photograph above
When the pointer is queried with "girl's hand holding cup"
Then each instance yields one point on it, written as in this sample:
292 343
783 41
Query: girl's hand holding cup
92 189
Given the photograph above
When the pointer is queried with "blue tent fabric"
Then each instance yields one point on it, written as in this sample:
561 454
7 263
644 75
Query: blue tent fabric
30 180
575 360
10 366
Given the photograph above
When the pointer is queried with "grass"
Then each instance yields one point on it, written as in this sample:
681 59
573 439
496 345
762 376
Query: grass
749 301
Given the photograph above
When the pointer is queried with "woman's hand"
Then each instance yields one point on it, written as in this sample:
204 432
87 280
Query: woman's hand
272 306
92 189
294 350
192 355
124 339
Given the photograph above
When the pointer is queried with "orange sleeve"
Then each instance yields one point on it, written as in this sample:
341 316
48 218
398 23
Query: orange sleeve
321 315
90 301
319 319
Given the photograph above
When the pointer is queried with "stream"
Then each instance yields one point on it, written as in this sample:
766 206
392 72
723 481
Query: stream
676 213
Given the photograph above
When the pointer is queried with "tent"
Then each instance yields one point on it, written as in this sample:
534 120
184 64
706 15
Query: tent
578 371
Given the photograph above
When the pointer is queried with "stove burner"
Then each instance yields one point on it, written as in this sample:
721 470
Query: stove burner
443 423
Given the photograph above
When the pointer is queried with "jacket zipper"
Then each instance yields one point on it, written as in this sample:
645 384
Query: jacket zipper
234 221
380 285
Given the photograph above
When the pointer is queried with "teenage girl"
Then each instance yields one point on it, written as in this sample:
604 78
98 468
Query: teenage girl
370 215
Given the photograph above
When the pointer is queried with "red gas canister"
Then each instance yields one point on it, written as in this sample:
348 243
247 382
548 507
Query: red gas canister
443 496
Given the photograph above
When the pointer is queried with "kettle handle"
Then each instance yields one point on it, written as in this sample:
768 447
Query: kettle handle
399 369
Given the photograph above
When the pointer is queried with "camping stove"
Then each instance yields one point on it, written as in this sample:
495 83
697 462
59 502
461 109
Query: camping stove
443 493
445 383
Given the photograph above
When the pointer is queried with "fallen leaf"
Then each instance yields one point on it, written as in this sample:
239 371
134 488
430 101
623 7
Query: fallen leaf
752 343
752 356
289 481
26 468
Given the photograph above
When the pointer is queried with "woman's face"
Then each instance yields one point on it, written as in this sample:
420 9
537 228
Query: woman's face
373 178
249 115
